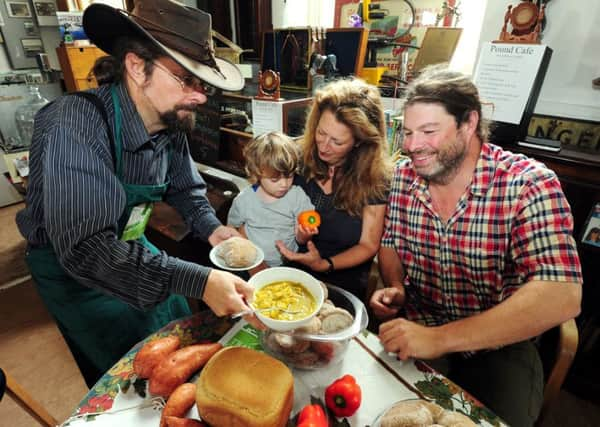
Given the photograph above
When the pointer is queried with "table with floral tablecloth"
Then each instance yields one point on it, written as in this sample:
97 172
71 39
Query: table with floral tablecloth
118 398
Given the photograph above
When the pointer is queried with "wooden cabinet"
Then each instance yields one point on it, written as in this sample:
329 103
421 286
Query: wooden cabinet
234 138
251 18
224 126
76 63
579 174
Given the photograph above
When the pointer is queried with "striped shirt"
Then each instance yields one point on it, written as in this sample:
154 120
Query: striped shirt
512 225
74 199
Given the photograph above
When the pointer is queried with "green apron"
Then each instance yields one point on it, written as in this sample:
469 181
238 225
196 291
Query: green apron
99 328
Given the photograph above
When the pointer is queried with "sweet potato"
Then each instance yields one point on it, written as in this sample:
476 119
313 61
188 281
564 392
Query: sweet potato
183 422
173 371
152 353
179 402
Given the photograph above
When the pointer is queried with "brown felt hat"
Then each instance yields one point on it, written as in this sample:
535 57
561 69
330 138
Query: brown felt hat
182 32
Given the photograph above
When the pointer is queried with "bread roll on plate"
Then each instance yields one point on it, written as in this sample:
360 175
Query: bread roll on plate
243 387
417 413
237 252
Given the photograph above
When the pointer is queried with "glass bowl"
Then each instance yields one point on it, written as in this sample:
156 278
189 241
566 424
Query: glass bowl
315 351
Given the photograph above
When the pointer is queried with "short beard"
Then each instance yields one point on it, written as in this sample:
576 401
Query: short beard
449 161
175 123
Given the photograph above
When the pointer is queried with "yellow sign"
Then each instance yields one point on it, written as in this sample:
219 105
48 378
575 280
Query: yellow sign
574 134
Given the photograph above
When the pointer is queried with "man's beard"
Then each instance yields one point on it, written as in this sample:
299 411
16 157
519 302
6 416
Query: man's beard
176 123
448 162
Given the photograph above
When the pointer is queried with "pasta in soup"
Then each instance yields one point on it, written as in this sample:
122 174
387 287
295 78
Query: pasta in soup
295 299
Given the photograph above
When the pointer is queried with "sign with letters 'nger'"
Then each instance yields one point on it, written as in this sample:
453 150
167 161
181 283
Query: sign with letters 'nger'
507 77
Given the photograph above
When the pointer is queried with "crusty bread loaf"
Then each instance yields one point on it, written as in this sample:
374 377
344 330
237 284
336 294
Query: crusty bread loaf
243 387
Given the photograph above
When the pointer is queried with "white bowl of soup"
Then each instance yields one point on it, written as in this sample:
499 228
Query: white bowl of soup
286 298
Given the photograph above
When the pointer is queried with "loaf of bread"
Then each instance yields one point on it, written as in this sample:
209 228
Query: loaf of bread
243 387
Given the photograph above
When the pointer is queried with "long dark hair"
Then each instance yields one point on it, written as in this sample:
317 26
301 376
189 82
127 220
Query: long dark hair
111 69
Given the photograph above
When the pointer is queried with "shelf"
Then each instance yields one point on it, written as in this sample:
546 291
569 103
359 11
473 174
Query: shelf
235 132
567 163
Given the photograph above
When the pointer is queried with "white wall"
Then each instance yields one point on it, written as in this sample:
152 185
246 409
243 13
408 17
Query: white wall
301 13
4 64
572 31
471 20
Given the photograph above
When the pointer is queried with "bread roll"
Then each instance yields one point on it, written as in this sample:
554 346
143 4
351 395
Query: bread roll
421 413
290 344
336 320
243 387
238 252
455 419
409 413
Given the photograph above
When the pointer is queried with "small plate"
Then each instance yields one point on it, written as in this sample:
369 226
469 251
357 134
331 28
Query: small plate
220 262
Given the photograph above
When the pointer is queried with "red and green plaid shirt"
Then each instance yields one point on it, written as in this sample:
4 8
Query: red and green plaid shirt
512 225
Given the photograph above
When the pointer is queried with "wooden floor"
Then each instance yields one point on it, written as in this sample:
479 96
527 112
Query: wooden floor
33 351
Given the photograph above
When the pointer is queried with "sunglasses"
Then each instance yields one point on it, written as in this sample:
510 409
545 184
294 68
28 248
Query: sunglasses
189 81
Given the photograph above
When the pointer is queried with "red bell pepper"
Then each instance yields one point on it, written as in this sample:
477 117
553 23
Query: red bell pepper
343 396
312 416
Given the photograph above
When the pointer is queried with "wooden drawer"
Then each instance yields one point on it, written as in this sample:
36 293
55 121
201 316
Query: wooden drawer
76 64
82 60
83 84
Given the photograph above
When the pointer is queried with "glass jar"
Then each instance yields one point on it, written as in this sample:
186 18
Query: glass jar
25 114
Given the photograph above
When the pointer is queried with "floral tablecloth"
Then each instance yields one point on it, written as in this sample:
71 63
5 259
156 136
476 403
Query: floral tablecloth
119 399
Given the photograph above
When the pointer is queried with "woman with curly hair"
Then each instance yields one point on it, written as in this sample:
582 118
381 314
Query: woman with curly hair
346 173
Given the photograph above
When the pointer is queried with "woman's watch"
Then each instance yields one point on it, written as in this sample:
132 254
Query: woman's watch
331 267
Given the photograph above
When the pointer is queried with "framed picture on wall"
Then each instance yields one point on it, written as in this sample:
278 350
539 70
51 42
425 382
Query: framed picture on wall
18 9
591 230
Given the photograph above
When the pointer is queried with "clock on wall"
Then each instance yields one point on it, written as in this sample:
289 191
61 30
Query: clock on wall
525 23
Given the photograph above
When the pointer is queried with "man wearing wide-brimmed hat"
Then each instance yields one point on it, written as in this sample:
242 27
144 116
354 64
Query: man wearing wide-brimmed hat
99 161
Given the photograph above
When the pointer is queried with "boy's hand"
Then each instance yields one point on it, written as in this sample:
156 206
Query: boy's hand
304 234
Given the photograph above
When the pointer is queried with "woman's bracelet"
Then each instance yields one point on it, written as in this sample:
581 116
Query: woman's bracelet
331 266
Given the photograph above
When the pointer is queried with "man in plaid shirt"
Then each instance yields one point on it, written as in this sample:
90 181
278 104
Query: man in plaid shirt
477 254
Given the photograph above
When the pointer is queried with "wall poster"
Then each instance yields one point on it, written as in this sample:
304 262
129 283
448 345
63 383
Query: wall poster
591 231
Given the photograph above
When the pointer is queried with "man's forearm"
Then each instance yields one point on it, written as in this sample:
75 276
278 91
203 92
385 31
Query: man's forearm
533 309
390 267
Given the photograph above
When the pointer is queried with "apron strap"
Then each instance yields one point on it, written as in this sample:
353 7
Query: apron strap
118 121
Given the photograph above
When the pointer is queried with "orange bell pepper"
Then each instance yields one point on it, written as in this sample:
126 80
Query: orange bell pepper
309 219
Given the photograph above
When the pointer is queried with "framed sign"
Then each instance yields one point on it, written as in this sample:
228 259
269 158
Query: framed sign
510 77
45 10
438 47
18 9
591 230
